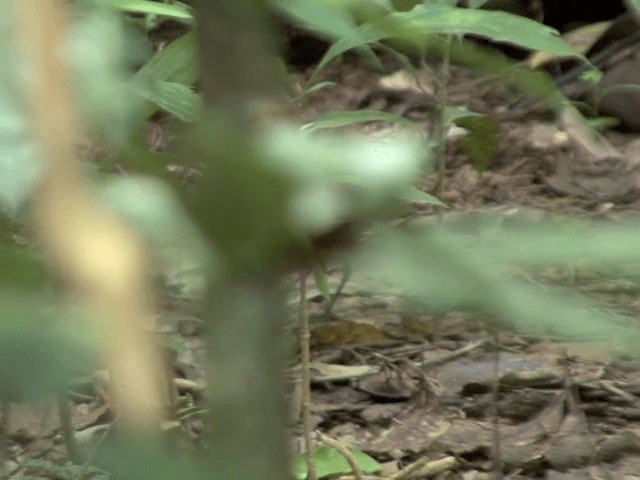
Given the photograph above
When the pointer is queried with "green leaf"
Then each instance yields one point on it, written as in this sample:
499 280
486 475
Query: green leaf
319 86
361 38
342 119
287 184
179 11
178 99
21 268
415 195
143 161
498 26
453 113
103 49
481 143
20 162
320 277
330 462
334 21
477 3
337 23
39 352
436 265
177 62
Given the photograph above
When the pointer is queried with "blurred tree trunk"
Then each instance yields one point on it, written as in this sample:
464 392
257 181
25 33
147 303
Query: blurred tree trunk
246 341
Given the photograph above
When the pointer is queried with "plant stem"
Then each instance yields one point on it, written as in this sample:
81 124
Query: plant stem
306 384
440 127
334 298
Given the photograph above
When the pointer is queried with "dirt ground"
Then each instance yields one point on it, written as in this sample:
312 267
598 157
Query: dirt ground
440 396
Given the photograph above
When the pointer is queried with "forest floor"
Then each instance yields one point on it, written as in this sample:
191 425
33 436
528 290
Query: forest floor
442 391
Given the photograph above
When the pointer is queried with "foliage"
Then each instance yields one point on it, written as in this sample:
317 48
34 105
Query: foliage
331 462
262 197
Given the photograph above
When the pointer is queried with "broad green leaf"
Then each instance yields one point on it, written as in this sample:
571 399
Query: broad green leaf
179 11
289 184
374 167
39 351
103 49
177 62
342 119
333 21
439 267
20 161
498 26
361 37
177 99
330 462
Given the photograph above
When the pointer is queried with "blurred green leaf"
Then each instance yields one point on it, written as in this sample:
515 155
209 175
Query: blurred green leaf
481 143
321 281
20 162
334 21
177 62
453 113
166 77
477 3
414 195
21 268
452 269
154 209
337 23
289 185
179 11
319 86
175 98
360 38
156 164
342 119
103 49
330 462
143 458
39 352
439 18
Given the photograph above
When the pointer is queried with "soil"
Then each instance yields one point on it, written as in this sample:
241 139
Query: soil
440 395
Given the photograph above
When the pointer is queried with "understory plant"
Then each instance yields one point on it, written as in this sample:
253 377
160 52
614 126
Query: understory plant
265 200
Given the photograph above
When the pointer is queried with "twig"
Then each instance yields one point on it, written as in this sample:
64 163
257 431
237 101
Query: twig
345 452
334 298
68 434
456 353
423 468
306 382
